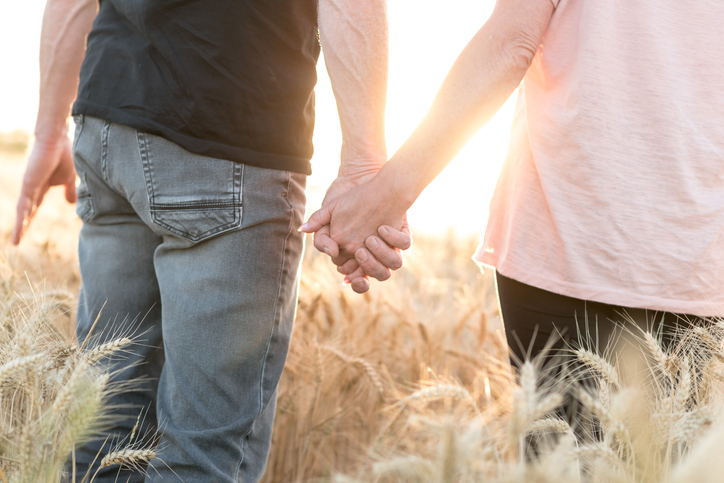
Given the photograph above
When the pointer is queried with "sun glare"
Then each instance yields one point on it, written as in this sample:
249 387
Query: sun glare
425 40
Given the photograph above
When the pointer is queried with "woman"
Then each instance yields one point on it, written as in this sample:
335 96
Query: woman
611 200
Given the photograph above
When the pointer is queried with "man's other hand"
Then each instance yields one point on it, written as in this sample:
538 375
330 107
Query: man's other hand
49 164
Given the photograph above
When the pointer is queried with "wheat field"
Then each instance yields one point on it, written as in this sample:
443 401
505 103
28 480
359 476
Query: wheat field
407 383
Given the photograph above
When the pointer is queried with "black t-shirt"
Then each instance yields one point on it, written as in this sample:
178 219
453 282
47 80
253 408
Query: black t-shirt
230 79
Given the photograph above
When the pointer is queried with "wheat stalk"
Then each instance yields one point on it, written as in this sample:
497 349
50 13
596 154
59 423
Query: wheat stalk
661 358
600 365
358 361
104 350
64 395
608 421
549 425
18 365
439 391
684 388
128 457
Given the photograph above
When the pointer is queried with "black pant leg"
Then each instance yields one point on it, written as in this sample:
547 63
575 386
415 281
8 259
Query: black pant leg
532 316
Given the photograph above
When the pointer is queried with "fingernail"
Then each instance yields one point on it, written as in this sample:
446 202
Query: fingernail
372 242
360 255
359 285
303 227
383 231
328 252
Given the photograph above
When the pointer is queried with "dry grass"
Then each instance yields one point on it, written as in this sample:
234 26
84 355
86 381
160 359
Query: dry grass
352 356
645 419
14 142
52 394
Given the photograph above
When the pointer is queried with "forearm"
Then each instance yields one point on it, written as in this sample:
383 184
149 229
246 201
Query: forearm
66 24
485 74
354 39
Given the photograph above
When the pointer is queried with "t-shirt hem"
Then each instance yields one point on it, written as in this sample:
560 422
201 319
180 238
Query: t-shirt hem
599 294
192 144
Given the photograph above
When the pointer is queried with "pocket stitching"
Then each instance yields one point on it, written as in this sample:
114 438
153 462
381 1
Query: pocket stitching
200 236
147 168
236 203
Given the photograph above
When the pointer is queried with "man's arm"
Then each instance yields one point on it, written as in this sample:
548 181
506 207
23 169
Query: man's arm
485 74
354 37
66 24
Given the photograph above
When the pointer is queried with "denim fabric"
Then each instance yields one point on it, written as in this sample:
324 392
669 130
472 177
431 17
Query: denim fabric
201 257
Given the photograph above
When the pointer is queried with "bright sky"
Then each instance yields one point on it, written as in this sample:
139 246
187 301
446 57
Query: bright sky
425 39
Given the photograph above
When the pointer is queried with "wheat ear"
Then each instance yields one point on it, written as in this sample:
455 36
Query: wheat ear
128 457
600 365
105 350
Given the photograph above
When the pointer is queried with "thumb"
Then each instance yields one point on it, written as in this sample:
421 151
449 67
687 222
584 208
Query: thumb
70 194
22 218
318 219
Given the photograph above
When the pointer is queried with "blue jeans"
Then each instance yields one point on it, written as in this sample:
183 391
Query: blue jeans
200 258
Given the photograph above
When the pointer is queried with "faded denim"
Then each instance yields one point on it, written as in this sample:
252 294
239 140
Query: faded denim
200 256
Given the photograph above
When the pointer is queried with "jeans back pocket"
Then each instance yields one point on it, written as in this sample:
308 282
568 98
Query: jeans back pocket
192 196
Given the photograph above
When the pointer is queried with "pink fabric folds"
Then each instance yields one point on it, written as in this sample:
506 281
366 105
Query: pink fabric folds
613 187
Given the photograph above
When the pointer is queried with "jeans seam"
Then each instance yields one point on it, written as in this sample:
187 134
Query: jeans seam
79 128
85 200
147 168
238 180
274 321
104 148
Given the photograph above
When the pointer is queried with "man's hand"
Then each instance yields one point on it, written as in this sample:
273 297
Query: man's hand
354 218
341 185
381 256
49 164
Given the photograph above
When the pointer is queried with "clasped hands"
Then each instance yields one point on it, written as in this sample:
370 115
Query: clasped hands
362 227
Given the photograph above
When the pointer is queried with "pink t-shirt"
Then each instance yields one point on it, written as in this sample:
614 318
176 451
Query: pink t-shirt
613 186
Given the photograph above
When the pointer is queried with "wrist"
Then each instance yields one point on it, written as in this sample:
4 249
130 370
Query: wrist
51 133
395 184
357 163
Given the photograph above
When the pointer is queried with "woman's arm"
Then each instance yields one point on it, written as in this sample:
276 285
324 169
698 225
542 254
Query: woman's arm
485 74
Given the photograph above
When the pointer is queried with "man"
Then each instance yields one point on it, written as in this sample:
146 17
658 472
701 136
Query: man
193 138
611 201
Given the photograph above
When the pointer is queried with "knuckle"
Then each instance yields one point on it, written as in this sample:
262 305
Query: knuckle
383 275
341 260
318 244
404 242
396 264
369 266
